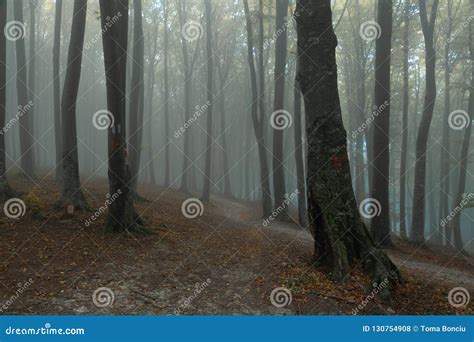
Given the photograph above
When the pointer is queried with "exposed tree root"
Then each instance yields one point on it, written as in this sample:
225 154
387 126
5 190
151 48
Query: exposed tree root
6 192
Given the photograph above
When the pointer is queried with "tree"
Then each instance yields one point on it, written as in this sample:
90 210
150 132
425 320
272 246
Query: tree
406 99
136 94
210 101
257 120
278 105
166 90
455 223
122 215
56 87
32 4
427 25
341 238
380 225
26 133
72 192
6 191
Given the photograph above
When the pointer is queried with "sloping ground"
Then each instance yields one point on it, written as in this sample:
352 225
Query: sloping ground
223 262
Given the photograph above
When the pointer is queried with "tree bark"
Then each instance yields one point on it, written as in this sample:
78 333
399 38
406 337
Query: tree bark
340 235
26 132
167 92
418 220
279 187
72 192
210 102
56 88
380 225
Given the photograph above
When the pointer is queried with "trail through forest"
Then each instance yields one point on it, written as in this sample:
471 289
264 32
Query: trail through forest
223 262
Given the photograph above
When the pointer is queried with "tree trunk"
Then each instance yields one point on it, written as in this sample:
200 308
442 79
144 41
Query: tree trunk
299 156
210 102
167 92
380 225
5 191
403 157
32 4
455 223
122 215
56 88
71 192
256 120
418 220
340 235
136 95
279 187
26 132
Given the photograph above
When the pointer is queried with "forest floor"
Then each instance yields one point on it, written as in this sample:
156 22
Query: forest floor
223 262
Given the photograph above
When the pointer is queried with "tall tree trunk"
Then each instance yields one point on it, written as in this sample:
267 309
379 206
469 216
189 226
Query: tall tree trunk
5 191
210 101
279 187
403 157
32 4
56 87
71 192
122 215
167 92
256 120
381 164
225 156
418 220
340 235
455 223
26 132
444 157
136 95
299 156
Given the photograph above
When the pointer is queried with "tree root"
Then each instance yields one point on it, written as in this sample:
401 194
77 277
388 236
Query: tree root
6 192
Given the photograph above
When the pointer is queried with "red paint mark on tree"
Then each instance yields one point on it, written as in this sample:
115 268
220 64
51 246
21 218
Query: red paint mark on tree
339 160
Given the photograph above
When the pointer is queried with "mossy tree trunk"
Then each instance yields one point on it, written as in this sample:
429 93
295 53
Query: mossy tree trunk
341 238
